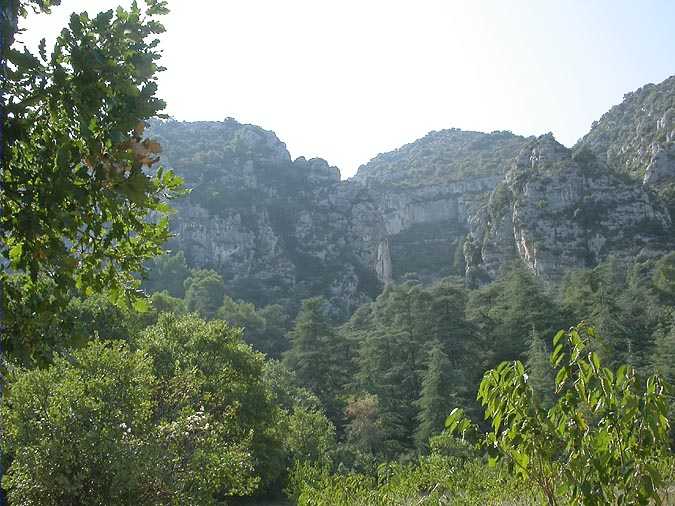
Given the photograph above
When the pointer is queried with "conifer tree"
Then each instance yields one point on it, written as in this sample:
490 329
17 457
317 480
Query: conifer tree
663 355
663 364
317 356
539 369
436 397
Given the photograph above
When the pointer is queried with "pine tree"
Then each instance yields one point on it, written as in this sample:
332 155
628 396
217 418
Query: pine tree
663 354
539 369
436 398
317 356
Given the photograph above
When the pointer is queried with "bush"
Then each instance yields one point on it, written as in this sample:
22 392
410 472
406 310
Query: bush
185 419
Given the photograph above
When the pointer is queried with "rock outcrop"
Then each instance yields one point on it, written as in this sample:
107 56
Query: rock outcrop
452 203
427 191
636 137
557 211
277 230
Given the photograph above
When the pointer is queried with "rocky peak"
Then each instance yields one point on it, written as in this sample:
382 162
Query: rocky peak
317 170
638 133
541 153
452 203
558 210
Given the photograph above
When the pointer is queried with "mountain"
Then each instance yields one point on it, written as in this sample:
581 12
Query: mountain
557 210
453 203
637 137
277 230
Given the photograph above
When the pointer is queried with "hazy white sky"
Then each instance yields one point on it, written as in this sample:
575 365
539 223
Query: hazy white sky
348 79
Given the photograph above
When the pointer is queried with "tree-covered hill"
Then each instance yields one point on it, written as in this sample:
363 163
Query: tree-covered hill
441 157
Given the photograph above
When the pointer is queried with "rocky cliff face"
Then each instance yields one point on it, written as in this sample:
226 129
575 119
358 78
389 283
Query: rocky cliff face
614 194
452 203
557 211
637 137
427 191
278 230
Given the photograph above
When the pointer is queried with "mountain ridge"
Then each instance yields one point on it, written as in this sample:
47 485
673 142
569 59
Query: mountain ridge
452 203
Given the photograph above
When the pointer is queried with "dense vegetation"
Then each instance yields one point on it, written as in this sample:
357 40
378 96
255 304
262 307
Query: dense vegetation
354 409
121 386
444 156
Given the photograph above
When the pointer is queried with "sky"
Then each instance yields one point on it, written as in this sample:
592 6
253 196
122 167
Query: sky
348 79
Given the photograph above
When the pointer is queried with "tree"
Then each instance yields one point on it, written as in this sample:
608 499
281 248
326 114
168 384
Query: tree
539 370
162 302
76 189
317 357
603 440
364 430
391 359
74 185
663 364
436 397
167 272
265 329
274 340
95 417
664 277
209 379
507 311
184 419
204 292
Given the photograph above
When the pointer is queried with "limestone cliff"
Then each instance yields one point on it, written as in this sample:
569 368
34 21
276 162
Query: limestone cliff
614 194
557 211
451 203
638 135
278 230
427 191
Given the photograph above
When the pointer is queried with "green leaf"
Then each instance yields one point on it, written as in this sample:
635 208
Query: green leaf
141 305
15 254
561 377
595 360
557 355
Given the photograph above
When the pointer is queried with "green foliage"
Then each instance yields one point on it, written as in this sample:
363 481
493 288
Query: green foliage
604 440
204 367
77 421
393 335
265 329
508 310
76 189
162 302
664 277
48 326
436 396
204 292
310 437
364 431
539 370
304 436
623 303
167 272
186 419
441 157
319 356
430 481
